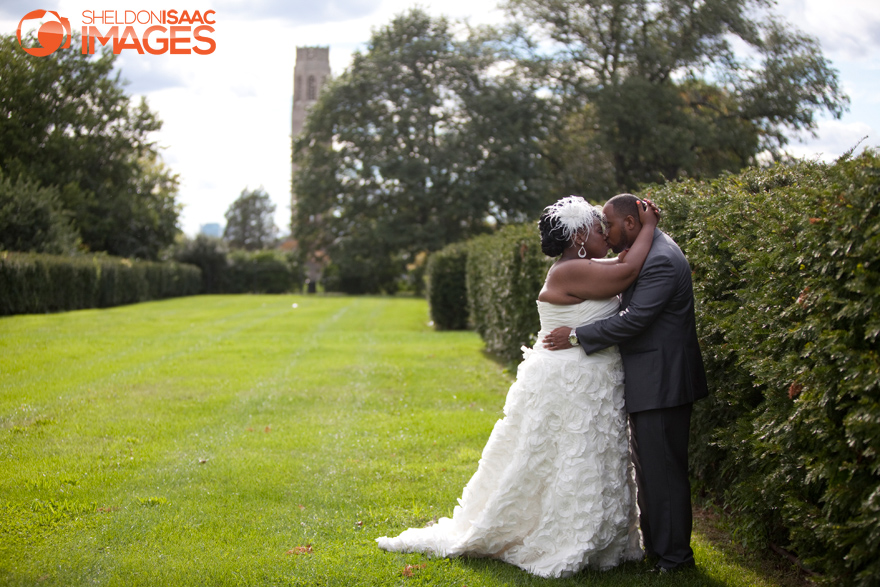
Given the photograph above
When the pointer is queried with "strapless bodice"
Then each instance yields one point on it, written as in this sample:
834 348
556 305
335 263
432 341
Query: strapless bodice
555 315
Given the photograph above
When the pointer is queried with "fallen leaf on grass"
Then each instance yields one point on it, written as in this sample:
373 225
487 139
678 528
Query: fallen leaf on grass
268 429
302 507
307 549
408 570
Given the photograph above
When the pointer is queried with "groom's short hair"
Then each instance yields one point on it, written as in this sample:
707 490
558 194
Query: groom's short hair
625 205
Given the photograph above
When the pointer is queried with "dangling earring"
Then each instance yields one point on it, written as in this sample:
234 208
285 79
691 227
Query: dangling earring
582 252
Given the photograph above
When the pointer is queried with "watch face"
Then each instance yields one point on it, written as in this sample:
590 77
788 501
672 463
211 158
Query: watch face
573 340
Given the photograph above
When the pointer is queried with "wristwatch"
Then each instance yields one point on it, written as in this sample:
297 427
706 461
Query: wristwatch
573 338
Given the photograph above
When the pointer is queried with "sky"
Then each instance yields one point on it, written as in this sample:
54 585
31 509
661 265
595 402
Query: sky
227 114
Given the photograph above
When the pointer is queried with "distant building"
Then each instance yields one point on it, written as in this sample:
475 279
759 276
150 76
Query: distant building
310 73
211 229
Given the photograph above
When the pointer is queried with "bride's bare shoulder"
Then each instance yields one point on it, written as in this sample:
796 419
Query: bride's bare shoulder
555 288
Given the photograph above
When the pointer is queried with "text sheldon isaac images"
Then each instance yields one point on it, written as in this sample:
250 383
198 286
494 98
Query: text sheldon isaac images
176 32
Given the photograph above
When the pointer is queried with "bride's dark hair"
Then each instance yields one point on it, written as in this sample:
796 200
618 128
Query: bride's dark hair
561 221
552 241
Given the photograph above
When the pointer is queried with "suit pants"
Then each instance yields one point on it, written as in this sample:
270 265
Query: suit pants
660 455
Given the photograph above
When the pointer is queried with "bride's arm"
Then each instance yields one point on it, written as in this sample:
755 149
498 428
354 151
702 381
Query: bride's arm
590 279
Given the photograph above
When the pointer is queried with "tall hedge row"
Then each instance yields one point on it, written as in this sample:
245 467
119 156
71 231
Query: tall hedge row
36 283
787 275
786 265
504 275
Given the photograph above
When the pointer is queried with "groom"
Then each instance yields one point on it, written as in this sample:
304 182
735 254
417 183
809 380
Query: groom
656 333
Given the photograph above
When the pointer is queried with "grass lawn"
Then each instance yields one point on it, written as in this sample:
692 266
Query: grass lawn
255 440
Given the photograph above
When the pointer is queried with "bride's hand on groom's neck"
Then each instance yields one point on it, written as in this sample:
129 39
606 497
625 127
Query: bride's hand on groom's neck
649 213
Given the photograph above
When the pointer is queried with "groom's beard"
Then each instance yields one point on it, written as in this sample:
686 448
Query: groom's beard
622 244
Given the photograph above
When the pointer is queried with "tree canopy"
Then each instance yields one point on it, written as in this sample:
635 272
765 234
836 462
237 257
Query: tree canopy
418 144
676 87
430 133
250 223
67 122
32 218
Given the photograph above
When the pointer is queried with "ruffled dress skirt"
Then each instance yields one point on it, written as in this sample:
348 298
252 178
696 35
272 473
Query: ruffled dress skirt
554 490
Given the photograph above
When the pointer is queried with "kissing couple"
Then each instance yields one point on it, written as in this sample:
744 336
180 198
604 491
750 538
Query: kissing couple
589 465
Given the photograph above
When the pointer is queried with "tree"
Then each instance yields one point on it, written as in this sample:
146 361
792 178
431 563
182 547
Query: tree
416 145
67 122
670 93
32 218
250 223
209 254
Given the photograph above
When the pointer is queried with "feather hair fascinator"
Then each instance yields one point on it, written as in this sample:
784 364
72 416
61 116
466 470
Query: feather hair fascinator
571 214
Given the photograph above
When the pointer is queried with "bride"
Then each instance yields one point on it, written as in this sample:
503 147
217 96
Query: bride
554 491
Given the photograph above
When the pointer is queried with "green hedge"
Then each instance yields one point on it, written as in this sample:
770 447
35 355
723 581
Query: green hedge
239 271
787 277
505 272
36 283
446 282
270 272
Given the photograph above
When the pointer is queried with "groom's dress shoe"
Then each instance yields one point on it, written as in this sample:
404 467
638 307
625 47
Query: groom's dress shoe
658 570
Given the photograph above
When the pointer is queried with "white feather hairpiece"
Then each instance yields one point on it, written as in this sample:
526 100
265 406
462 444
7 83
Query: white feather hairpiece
573 213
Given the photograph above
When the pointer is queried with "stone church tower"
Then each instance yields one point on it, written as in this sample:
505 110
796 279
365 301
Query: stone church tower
310 73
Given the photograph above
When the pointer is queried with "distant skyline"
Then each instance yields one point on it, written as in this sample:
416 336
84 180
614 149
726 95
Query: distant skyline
227 115
211 229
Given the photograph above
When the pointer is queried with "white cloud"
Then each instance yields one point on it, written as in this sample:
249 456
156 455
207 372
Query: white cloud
144 74
836 138
14 10
846 29
296 11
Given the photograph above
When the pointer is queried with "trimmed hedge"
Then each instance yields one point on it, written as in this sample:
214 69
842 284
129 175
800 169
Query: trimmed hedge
786 264
239 271
505 272
270 272
208 254
787 278
32 283
446 281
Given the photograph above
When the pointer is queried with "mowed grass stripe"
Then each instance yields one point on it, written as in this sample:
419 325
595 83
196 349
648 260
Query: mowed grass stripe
200 441
92 345
281 404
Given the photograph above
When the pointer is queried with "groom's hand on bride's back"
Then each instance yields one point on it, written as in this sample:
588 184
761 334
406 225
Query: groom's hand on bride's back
557 340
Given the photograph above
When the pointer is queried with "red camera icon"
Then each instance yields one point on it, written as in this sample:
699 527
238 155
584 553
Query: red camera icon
53 35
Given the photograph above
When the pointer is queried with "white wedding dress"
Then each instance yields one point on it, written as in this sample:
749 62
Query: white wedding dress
554 490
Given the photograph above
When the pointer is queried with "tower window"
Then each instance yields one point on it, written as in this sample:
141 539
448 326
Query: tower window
312 93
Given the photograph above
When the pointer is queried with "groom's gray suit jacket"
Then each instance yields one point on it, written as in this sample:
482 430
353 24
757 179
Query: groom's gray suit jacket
656 333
